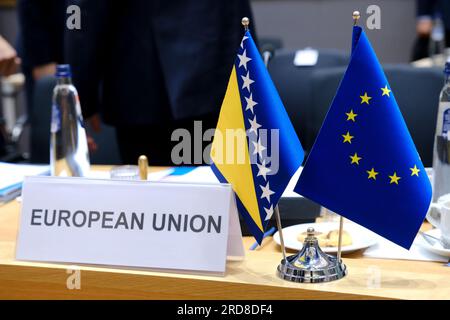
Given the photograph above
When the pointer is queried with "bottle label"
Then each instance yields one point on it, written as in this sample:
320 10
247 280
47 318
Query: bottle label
56 119
446 122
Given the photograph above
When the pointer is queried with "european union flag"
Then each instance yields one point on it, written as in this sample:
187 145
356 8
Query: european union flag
255 146
364 165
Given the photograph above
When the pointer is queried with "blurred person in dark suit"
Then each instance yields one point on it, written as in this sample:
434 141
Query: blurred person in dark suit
42 25
9 64
148 67
41 39
426 12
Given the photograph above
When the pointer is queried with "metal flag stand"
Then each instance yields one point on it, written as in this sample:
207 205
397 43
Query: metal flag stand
311 264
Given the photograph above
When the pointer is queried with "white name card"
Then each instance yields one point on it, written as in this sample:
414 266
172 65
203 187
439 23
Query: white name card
129 223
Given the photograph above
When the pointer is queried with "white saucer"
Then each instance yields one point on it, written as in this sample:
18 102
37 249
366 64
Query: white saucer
437 248
362 238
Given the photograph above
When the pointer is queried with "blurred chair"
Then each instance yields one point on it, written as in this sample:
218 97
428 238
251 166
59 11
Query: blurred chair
40 116
270 43
416 91
294 85
12 119
39 120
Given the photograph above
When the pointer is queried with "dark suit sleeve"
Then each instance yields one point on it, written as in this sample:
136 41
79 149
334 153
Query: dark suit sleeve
426 7
41 23
84 50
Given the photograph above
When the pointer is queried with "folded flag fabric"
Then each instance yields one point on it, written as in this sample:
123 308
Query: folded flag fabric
364 165
255 147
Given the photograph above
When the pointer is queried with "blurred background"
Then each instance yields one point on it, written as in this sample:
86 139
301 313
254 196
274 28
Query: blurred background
284 28
316 23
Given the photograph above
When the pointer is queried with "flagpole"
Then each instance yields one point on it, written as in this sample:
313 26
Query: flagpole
245 23
341 227
280 231
356 15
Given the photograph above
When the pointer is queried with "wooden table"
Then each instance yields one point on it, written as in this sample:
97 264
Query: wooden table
253 278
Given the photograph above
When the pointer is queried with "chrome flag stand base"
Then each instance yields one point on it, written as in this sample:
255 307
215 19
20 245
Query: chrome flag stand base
311 264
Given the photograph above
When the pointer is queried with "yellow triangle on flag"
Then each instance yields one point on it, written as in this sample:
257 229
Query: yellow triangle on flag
230 152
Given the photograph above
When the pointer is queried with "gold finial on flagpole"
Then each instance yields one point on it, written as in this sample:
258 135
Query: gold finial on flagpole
245 22
356 15
143 167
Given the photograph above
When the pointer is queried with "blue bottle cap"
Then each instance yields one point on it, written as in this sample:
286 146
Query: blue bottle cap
63 71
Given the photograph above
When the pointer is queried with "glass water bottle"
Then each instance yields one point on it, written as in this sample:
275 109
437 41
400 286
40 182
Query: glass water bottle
441 156
69 155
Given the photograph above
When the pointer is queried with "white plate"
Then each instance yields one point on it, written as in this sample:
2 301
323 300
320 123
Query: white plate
362 238
437 248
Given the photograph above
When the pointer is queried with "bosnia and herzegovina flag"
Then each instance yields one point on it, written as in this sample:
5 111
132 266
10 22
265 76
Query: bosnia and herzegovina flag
255 147
364 165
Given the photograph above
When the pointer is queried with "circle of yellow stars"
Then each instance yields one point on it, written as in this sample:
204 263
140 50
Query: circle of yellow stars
355 159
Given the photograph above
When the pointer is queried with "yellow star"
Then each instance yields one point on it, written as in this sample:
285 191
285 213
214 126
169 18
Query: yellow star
386 91
351 116
355 158
347 137
372 174
414 171
394 178
365 98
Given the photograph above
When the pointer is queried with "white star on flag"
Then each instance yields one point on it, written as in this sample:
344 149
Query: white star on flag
258 148
250 103
247 81
266 192
269 213
242 42
263 170
254 126
243 59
